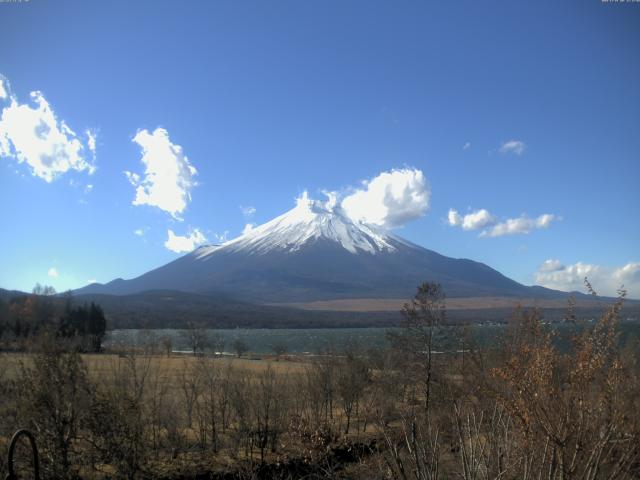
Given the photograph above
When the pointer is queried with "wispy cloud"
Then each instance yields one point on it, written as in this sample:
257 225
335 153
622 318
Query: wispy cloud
466 146
139 232
492 227
34 135
53 272
248 228
248 212
168 176
605 280
221 237
390 199
517 147
187 243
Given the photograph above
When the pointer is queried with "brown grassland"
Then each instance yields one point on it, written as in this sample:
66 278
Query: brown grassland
519 409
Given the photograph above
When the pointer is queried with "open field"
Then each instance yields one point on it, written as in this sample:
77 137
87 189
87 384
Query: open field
99 365
469 303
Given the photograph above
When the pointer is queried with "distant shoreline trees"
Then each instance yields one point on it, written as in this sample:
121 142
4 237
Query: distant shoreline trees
24 318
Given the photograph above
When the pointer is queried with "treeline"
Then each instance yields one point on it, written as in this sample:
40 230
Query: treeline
517 409
25 318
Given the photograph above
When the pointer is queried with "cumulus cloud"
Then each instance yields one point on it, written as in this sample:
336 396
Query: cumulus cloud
53 272
139 232
182 244
33 134
491 227
517 147
389 200
471 221
605 280
168 176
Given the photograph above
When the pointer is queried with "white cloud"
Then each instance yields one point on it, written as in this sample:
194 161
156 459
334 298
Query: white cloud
454 218
516 147
248 212
605 280
248 228
188 243
221 238
91 140
139 232
551 265
168 177
471 221
521 225
482 219
91 280
53 272
33 134
391 199
466 146
4 88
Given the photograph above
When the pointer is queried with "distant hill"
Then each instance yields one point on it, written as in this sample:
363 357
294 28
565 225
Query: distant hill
7 294
172 309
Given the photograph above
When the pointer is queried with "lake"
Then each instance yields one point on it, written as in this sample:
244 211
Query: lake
317 340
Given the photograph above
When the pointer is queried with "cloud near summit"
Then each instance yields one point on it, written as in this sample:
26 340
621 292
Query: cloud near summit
186 243
389 200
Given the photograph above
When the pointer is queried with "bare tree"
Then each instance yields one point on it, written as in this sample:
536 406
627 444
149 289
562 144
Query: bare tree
189 387
57 395
353 376
240 347
422 317
196 337
279 349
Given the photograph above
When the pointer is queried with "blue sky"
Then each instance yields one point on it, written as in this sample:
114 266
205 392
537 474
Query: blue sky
520 109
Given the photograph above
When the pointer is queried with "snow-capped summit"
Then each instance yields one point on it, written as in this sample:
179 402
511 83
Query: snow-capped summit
309 221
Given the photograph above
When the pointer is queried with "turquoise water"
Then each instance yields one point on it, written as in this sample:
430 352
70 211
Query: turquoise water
313 341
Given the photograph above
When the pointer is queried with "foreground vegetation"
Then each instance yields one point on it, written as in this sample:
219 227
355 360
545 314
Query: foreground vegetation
519 409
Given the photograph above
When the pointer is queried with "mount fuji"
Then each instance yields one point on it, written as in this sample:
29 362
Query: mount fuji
316 252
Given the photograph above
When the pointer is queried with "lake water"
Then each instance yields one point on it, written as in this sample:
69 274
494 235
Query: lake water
314 341
261 340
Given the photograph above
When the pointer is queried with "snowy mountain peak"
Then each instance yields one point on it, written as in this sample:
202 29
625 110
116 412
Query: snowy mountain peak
310 220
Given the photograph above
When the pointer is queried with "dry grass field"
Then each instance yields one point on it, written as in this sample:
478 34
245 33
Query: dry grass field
469 303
